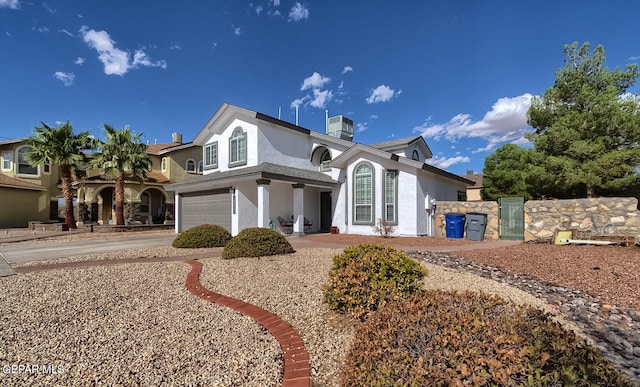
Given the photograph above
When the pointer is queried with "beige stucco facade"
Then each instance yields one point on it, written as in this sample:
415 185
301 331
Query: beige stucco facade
26 193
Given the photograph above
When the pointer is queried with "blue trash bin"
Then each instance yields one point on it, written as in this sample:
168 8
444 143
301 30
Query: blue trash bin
454 225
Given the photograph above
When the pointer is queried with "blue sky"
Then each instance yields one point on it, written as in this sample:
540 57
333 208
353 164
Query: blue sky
462 73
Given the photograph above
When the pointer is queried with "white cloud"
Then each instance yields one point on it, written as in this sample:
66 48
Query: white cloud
116 61
79 61
48 8
314 81
299 101
346 69
276 3
236 30
506 121
361 127
299 12
634 58
382 93
175 46
66 78
66 32
41 29
11 4
141 59
341 85
446 162
321 98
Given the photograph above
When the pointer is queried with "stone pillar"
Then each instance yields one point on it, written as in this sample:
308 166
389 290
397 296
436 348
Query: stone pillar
298 209
95 212
263 202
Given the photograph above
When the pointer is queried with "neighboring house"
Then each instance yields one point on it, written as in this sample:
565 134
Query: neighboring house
474 191
27 193
147 201
260 171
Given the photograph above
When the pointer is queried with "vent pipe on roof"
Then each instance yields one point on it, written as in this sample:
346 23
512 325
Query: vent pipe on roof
176 137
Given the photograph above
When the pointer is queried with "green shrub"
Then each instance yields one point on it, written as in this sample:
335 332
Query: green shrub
365 277
439 338
204 235
256 242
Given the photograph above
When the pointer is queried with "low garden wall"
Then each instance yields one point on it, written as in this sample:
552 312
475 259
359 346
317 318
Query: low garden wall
589 217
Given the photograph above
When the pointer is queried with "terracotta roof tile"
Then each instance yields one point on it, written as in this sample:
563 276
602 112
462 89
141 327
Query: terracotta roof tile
14 182
154 149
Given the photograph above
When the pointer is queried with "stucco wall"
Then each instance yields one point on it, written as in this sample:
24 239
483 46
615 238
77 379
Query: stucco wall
20 206
596 216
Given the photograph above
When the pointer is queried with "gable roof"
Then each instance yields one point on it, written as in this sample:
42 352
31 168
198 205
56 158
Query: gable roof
342 159
227 111
161 149
476 178
403 143
14 182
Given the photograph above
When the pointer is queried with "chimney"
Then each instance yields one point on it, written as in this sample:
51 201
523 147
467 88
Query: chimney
176 137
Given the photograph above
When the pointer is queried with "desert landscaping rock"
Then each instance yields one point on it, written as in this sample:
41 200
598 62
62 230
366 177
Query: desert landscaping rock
133 324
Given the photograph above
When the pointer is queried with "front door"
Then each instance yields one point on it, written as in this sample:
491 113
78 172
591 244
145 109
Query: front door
325 211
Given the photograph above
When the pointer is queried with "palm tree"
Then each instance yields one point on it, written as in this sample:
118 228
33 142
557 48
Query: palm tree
60 146
121 155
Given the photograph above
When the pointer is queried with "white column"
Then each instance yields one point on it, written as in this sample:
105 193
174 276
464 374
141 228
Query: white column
177 214
234 211
298 209
263 202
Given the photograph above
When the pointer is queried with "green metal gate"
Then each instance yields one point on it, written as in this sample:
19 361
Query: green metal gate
511 218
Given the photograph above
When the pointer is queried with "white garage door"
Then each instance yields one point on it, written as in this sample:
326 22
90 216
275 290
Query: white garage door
208 207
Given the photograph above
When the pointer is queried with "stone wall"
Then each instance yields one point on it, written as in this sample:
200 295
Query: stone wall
596 216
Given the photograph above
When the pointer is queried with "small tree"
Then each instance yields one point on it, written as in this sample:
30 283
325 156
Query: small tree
60 146
121 155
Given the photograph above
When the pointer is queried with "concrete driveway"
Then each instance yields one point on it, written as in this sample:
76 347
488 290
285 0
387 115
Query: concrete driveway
59 249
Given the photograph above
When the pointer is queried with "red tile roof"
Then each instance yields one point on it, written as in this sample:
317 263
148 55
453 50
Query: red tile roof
14 182
157 148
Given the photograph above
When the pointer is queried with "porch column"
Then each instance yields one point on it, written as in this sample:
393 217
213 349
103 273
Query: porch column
263 202
178 215
298 209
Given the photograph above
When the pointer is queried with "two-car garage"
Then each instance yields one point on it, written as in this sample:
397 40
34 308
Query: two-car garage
205 207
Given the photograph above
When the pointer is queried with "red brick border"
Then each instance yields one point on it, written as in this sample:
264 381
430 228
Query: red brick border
296 357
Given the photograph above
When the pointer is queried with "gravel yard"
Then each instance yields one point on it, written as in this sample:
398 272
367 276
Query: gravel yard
133 324
137 324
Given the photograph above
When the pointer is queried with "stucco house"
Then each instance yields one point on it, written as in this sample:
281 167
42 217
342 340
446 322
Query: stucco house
147 201
260 171
27 193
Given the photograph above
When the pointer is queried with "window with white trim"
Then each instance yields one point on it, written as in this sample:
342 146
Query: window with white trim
391 197
238 148
199 167
363 183
211 155
163 164
190 167
7 161
415 155
24 168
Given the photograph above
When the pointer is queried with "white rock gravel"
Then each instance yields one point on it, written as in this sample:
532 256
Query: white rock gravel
133 324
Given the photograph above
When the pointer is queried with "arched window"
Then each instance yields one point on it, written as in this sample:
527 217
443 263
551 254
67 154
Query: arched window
163 164
324 161
199 167
363 199
415 155
238 148
191 166
24 168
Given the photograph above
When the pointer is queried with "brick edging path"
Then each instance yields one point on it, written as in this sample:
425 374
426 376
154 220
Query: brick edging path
296 357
